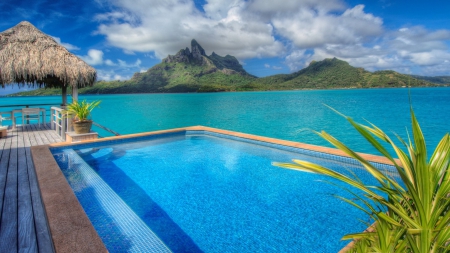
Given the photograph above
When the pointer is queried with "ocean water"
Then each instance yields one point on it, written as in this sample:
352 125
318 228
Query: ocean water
288 115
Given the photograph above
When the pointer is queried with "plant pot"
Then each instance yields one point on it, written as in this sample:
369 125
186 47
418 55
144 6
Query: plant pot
82 127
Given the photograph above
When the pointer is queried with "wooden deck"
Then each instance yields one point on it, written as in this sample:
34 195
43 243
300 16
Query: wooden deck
23 222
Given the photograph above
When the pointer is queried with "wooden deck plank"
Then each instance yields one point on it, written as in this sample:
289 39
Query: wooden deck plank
2 144
55 137
9 223
48 134
4 161
31 137
44 239
42 133
23 221
36 134
26 227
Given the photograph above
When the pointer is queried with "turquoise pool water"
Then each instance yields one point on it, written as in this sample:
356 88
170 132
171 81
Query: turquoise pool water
205 193
273 114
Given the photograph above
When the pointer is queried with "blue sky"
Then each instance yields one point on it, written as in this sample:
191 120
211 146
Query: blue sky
121 37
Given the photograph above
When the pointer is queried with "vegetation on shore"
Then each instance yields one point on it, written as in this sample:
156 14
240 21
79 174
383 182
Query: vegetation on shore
194 71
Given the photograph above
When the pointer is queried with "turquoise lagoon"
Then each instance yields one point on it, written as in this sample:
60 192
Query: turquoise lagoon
280 114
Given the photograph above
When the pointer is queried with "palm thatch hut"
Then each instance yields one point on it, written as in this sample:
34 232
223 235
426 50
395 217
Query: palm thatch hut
30 57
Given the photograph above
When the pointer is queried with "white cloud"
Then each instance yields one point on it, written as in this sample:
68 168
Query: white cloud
267 66
129 52
165 27
433 57
110 63
94 57
297 60
68 46
126 65
310 29
110 75
271 8
300 31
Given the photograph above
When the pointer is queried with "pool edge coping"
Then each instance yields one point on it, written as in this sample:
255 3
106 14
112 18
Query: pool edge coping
70 227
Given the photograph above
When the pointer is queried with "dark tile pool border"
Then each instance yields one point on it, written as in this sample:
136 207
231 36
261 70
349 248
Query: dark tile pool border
70 227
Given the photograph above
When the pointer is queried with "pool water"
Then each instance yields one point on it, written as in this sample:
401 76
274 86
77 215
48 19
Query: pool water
205 193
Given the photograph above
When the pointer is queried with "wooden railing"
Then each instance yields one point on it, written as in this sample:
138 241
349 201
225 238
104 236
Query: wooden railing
10 108
60 122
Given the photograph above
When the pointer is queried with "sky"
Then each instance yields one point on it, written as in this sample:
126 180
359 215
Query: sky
122 37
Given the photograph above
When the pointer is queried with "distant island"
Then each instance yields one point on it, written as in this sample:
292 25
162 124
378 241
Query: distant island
193 71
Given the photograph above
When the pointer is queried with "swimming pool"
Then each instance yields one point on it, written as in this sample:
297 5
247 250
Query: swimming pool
200 191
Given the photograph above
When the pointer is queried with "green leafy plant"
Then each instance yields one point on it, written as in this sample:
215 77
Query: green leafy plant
81 111
411 211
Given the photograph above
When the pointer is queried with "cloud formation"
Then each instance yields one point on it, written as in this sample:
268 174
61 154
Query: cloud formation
68 46
94 57
167 26
116 70
297 30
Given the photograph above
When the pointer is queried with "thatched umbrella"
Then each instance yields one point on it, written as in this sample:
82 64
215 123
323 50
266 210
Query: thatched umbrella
30 57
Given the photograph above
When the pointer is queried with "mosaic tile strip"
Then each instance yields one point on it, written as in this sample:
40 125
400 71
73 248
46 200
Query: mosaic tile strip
111 207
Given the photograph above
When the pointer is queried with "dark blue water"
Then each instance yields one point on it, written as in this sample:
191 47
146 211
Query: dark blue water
208 194
281 114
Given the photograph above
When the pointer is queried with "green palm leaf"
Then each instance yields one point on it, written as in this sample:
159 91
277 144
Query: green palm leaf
418 209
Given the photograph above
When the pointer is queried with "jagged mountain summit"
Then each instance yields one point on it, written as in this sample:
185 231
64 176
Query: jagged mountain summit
192 71
227 65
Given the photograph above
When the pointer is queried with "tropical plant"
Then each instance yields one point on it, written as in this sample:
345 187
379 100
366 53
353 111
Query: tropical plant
81 111
411 211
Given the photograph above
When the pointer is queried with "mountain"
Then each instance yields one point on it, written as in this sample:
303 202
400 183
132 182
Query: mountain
335 73
435 79
187 71
191 70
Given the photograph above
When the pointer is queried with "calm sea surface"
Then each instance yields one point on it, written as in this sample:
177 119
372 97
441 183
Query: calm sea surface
288 115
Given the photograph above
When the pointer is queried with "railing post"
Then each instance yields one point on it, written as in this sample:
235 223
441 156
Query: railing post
63 127
28 117
52 117
58 121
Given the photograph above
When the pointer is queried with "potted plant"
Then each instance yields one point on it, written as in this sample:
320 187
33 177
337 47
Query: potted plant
81 113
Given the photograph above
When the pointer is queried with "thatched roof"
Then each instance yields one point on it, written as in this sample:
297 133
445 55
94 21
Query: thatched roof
29 56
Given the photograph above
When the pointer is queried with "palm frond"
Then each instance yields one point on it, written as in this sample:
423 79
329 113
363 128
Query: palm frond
410 216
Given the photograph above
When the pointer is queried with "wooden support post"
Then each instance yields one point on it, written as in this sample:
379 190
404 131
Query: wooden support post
74 93
64 95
